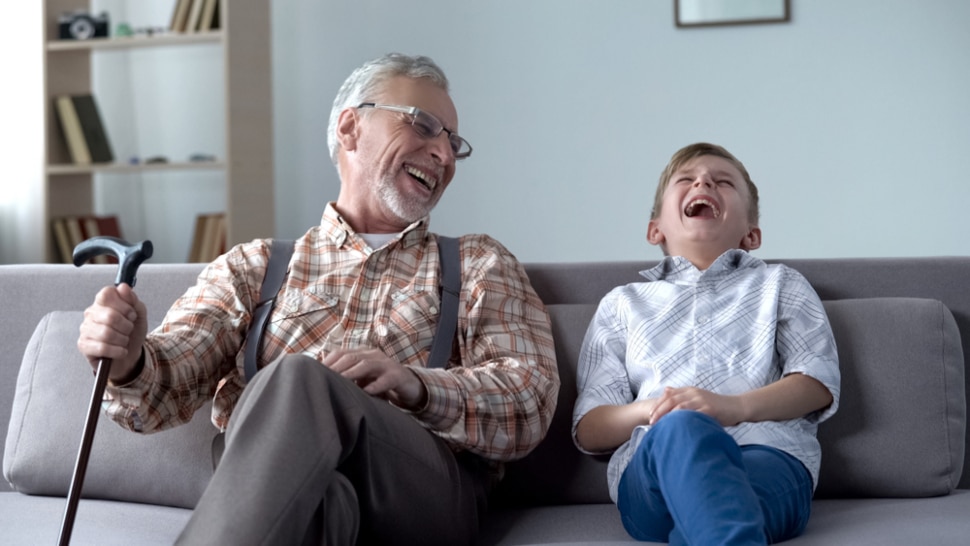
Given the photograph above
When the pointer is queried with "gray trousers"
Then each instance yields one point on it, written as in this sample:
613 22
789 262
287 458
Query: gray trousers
312 459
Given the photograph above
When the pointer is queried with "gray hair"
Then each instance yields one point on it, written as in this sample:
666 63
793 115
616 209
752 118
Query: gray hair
368 80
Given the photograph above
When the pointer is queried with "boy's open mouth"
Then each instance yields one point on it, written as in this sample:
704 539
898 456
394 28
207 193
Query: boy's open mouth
424 178
702 208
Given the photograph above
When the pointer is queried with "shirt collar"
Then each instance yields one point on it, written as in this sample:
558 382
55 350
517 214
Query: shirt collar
340 232
680 268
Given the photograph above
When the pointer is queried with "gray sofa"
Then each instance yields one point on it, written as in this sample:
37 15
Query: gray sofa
894 467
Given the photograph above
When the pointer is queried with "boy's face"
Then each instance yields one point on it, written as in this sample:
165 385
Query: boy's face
704 212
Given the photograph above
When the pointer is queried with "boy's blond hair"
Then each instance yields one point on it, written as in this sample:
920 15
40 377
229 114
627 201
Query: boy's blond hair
692 151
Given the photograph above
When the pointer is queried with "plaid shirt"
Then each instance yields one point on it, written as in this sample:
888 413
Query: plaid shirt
496 398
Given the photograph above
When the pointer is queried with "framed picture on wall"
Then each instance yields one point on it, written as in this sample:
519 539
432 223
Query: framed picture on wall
706 13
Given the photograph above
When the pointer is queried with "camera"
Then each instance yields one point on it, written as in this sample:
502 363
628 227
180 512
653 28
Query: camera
80 25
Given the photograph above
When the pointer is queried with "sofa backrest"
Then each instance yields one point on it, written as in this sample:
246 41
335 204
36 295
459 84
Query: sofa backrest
927 296
903 331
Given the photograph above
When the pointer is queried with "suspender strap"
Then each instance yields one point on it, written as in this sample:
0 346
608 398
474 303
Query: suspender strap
279 260
450 255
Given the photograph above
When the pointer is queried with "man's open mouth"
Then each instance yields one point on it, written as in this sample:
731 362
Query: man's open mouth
424 178
702 208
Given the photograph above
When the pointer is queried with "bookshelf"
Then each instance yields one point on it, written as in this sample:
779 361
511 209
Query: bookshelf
246 162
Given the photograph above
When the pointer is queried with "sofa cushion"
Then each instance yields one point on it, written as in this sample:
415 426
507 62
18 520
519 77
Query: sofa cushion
899 430
53 393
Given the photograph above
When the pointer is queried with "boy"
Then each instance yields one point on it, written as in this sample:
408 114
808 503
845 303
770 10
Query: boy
708 381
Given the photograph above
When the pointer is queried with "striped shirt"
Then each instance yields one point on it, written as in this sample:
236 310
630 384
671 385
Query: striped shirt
737 326
496 398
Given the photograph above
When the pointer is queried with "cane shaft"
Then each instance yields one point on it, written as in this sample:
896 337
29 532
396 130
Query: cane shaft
77 481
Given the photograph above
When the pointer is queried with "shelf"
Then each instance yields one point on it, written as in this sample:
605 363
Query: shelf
160 40
239 183
123 168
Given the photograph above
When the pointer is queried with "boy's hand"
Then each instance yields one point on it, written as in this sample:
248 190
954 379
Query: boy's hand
790 397
728 410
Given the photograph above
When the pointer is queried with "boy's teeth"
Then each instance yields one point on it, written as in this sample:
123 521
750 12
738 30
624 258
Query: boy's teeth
689 211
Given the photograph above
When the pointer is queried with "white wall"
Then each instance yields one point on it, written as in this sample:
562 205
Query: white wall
853 119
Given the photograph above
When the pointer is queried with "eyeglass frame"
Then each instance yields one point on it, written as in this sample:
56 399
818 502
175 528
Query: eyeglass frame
414 112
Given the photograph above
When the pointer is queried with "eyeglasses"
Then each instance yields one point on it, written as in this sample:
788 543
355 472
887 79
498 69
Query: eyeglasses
427 126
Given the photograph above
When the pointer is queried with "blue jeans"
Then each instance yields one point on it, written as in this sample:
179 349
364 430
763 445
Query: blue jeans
690 483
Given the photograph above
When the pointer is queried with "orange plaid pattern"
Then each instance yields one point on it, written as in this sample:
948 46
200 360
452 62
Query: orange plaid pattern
496 398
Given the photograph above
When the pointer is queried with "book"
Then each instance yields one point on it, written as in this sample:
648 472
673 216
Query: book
180 15
109 226
195 251
62 239
74 233
93 128
89 229
219 245
71 129
209 13
70 231
195 16
209 238
216 16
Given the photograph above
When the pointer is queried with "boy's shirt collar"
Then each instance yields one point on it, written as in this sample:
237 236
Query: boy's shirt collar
680 268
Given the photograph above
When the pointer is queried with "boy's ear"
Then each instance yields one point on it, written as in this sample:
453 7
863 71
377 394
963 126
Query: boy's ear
654 235
752 239
348 129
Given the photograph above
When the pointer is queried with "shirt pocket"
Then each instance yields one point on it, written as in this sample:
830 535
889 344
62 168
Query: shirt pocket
304 320
407 325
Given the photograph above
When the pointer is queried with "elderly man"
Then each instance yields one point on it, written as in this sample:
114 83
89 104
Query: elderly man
346 434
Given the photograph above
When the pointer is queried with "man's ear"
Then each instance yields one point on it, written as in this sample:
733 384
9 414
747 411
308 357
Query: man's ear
348 129
654 235
752 239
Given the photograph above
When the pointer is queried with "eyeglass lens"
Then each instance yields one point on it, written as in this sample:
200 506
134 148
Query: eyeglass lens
428 126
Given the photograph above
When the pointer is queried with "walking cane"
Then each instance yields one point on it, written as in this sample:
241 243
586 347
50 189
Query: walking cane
129 258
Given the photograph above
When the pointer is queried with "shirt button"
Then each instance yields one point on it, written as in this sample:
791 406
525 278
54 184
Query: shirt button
433 310
703 320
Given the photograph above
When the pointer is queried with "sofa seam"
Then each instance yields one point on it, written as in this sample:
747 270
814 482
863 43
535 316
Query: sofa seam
45 321
946 391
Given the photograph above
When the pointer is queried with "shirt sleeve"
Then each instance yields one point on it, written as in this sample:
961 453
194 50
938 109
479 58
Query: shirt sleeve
805 342
498 402
196 345
601 377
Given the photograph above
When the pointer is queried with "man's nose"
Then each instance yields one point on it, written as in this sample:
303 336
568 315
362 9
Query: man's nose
441 149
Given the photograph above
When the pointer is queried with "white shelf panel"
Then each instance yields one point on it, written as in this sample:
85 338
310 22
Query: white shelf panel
133 42
120 168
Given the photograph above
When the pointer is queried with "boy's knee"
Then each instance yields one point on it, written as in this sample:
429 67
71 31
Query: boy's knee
684 424
688 418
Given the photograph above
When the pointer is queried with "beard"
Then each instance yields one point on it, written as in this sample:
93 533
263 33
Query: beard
407 208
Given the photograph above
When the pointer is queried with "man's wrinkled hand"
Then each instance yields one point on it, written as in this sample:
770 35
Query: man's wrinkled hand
379 375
